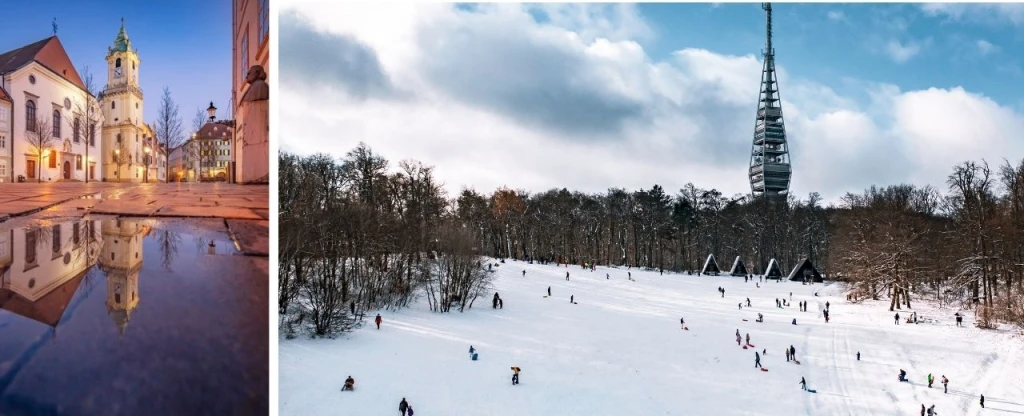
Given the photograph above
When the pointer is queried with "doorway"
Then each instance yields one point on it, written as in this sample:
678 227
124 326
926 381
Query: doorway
67 169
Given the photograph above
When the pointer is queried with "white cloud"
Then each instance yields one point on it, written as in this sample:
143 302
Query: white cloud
979 12
986 47
836 16
497 99
900 52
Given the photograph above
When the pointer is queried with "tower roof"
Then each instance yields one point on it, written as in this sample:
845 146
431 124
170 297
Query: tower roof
121 42
49 53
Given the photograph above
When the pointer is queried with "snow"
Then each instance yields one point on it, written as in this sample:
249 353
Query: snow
620 351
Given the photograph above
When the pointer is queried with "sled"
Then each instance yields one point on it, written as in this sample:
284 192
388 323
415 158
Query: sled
575 303
750 345
744 347
796 362
686 328
744 320
764 369
811 391
545 297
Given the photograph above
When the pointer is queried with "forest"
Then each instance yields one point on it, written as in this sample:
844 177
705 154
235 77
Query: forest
359 234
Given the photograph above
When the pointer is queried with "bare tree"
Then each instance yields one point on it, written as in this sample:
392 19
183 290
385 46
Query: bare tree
85 116
168 126
40 139
120 155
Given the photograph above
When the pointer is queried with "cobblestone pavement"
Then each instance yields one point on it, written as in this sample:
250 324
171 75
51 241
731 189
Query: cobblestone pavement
243 209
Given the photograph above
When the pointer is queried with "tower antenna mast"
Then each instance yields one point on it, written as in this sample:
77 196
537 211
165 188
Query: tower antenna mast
770 170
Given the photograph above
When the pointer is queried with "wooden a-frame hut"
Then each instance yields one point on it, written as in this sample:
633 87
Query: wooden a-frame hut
738 268
773 271
710 266
805 270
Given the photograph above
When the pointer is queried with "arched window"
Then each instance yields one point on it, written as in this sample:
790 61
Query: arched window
56 238
117 63
30 115
76 128
56 123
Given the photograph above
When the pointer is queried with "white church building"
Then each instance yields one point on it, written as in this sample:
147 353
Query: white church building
49 122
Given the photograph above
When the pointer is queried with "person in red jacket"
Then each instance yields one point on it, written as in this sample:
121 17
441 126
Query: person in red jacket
378 321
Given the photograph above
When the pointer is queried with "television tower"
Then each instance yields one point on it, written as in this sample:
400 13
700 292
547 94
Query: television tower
769 158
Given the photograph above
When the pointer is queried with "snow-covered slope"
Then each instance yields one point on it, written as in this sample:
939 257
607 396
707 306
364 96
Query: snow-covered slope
620 351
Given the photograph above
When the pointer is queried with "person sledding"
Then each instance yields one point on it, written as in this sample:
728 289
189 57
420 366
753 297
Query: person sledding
350 384
515 375
760 318
903 375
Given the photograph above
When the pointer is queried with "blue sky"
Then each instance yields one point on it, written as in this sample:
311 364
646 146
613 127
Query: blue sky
593 96
184 45
833 42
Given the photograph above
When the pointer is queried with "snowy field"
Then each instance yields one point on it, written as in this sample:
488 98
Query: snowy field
620 351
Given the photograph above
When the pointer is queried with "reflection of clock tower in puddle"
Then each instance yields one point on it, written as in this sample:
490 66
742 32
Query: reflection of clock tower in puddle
121 260
121 101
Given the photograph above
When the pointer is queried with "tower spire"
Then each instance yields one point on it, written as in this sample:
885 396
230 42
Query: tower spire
770 170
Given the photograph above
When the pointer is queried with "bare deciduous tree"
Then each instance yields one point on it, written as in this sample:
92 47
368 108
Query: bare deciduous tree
41 140
168 126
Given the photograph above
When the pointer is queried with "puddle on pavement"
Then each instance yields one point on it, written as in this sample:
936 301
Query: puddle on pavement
129 317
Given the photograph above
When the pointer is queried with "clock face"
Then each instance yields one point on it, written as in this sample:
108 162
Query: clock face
117 72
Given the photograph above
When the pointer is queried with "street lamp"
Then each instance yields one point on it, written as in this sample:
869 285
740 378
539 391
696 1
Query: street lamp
146 176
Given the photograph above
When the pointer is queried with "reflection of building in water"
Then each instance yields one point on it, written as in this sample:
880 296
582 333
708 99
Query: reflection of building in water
121 260
41 268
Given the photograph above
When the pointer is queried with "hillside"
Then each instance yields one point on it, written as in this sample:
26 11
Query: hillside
620 351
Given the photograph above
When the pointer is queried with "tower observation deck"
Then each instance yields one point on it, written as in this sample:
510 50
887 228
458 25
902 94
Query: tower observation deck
769 158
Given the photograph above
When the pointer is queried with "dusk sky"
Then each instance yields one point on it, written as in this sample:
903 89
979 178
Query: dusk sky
594 96
184 45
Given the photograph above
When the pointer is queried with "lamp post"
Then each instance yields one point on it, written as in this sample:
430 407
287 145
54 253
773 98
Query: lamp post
146 176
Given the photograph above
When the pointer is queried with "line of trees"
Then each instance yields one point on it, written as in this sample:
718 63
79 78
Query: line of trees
355 236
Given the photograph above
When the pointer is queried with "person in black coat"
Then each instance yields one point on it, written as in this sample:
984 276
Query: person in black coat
403 406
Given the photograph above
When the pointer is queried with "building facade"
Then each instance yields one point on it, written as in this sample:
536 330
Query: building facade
121 260
213 142
6 161
124 132
42 267
48 117
250 93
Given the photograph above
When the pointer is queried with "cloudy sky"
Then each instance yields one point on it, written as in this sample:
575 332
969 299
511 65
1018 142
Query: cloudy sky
590 97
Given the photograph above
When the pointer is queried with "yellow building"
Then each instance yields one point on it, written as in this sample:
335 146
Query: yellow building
124 132
121 260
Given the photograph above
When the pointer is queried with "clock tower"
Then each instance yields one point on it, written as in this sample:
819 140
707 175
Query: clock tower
121 101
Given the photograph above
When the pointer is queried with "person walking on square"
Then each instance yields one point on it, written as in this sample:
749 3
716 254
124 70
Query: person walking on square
897 318
931 379
757 360
566 276
945 384
378 321
403 406
515 375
